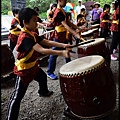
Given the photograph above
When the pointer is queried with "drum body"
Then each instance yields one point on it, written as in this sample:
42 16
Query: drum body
88 87
7 60
87 34
98 47
96 30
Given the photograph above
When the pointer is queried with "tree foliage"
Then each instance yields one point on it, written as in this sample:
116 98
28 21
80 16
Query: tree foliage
43 5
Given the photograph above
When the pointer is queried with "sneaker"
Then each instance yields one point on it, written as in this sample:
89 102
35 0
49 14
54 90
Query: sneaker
113 57
115 51
46 94
52 76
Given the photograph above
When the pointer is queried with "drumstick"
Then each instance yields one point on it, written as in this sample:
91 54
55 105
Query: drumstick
46 32
82 43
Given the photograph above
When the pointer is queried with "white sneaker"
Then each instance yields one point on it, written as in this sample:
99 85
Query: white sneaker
115 51
113 57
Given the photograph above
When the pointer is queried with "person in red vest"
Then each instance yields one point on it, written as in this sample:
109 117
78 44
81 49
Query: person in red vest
28 47
14 30
61 25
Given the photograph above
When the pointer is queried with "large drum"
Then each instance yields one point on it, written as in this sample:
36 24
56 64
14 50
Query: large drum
98 47
89 34
96 32
7 60
88 87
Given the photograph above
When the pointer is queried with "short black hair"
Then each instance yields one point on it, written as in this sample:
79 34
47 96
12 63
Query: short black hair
106 6
54 5
92 6
26 14
116 4
83 9
15 11
36 8
79 16
68 14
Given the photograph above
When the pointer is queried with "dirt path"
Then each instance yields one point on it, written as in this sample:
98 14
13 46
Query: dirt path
34 107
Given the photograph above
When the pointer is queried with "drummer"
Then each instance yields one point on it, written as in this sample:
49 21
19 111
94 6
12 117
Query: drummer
26 67
40 22
14 30
104 21
51 13
61 26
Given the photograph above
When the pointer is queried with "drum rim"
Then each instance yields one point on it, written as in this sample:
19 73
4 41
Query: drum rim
90 70
91 44
98 116
89 31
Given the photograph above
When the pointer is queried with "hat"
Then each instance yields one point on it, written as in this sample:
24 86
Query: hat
80 0
113 2
96 3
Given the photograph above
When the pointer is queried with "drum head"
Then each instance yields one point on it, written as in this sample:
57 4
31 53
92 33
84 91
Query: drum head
81 65
97 41
87 32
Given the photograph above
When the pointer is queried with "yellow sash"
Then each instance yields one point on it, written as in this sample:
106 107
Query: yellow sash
60 28
13 30
115 21
104 20
21 65
108 14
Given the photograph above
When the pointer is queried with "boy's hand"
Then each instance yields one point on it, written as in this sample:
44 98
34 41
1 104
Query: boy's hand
66 53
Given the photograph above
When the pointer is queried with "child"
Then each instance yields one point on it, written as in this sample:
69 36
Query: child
68 34
40 22
26 67
80 20
83 12
51 13
14 30
61 25
89 13
104 21
116 31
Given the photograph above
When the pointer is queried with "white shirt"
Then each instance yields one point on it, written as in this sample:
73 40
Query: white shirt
78 9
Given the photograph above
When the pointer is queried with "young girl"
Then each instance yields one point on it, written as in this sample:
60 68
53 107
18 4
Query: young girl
116 31
40 22
14 30
26 67
51 13
68 34
104 21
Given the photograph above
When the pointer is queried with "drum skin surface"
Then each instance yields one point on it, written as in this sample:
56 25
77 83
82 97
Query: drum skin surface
91 93
95 48
7 60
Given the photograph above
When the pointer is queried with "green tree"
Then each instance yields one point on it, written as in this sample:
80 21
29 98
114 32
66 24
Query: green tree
43 5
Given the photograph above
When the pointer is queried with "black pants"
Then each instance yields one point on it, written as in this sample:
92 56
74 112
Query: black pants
19 92
115 41
104 33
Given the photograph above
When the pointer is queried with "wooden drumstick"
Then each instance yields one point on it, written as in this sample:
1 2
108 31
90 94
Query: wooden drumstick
46 32
82 43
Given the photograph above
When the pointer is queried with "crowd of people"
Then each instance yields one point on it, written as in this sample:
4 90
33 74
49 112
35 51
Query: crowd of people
24 35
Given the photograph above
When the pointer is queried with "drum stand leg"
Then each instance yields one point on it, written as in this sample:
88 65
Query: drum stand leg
67 113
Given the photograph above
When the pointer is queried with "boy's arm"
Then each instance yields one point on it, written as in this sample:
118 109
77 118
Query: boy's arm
76 33
73 25
42 50
51 43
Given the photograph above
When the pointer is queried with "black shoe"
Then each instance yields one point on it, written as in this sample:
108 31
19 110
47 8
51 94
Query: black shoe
46 94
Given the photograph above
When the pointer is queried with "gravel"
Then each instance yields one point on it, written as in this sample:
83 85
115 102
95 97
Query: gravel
34 107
